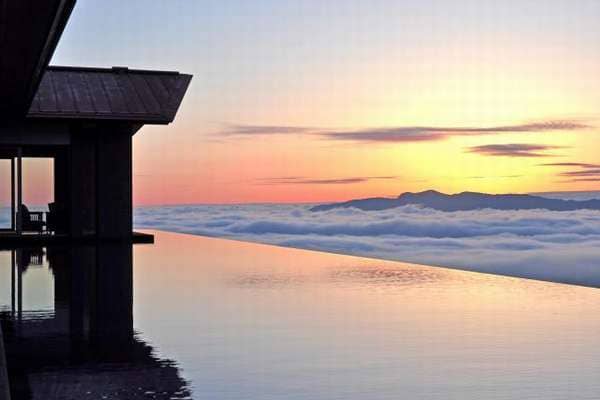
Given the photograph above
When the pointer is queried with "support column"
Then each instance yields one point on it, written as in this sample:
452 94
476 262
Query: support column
19 221
61 191
113 194
13 216
82 190
100 181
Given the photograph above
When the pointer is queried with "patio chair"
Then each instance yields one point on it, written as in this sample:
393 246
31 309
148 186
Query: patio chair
31 221
56 219
30 257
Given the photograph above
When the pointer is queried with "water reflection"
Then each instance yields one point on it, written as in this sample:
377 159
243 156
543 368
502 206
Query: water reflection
252 321
389 277
249 321
83 344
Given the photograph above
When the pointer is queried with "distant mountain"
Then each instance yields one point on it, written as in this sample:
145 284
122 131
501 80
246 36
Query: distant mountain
570 195
465 201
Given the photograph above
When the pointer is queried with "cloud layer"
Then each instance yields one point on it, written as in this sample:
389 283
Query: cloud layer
416 134
400 134
513 150
298 180
563 246
251 130
570 164
585 172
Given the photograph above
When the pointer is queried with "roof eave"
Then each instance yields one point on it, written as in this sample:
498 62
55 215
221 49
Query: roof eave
29 34
64 10
95 118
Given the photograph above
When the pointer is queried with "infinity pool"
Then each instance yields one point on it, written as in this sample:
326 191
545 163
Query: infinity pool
204 318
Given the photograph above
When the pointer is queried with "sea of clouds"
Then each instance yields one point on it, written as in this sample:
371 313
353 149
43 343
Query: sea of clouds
556 246
549 245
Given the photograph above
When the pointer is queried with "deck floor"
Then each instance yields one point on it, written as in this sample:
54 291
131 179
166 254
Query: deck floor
12 240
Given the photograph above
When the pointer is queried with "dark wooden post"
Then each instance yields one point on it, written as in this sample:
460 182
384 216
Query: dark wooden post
113 177
61 188
19 221
100 181
13 219
82 190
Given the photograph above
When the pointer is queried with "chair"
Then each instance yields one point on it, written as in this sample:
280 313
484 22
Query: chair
30 256
31 221
56 218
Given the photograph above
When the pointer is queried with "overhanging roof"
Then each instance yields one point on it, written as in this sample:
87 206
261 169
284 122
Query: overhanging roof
29 33
120 94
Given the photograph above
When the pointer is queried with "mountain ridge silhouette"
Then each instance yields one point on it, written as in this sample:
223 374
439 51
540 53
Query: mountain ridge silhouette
464 201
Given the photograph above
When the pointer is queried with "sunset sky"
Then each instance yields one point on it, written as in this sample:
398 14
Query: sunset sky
296 101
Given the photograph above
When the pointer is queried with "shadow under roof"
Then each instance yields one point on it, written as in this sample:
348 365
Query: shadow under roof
118 93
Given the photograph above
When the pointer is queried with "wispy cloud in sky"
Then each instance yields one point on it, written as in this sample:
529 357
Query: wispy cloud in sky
254 130
513 150
402 133
416 134
296 180
586 173
495 177
585 180
387 135
570 164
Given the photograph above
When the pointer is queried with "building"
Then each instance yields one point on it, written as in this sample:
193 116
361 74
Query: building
82 118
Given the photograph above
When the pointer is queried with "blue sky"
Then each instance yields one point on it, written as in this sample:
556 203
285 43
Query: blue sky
239 49
180 33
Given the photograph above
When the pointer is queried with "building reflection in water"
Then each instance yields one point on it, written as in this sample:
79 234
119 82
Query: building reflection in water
86 346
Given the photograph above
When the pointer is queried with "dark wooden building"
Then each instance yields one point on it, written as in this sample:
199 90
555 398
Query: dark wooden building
82 118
